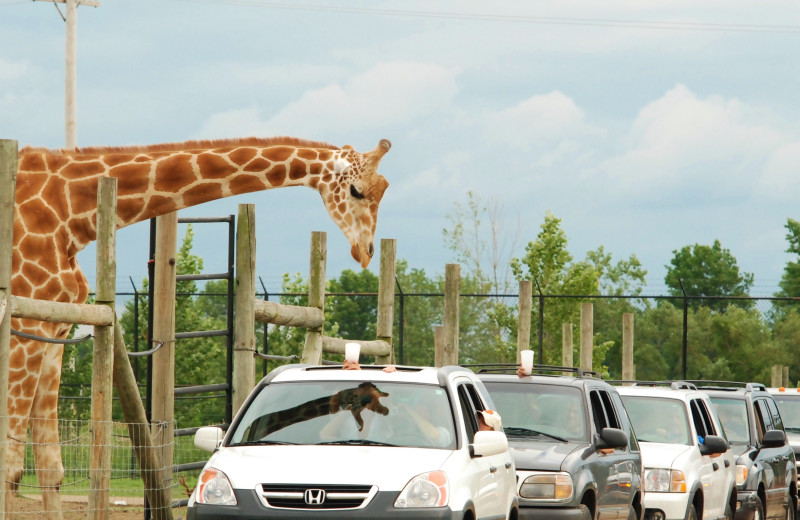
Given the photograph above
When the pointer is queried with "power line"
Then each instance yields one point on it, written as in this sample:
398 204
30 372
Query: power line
599 22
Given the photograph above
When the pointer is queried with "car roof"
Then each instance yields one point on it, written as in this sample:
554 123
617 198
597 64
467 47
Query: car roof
661 392
783 391
577 382
403 374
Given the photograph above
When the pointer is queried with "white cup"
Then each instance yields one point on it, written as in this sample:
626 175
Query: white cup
352 351
526 359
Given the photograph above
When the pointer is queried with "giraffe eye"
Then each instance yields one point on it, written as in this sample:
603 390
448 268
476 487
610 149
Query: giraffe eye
355 193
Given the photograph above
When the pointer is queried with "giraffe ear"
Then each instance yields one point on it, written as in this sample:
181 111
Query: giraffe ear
347 147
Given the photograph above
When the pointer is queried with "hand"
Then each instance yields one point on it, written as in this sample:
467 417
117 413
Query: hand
389 369
350 365
521 372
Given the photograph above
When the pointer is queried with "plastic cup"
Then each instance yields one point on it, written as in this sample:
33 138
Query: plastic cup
526 359
352 351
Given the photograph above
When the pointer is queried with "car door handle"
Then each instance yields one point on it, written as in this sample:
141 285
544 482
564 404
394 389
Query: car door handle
715 466
492 469
727 464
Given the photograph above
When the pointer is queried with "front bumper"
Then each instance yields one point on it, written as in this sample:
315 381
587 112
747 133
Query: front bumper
249 507
672 505
745 505
546 513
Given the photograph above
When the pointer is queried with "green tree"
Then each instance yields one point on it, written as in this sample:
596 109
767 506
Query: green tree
790 280
702 270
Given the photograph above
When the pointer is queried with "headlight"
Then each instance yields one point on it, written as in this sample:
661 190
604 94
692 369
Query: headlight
213 487
425 490
547 486
741 474
664 481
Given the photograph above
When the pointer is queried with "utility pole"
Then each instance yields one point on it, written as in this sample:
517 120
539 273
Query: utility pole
70 96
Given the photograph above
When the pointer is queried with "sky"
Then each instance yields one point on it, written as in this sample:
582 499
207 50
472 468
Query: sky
644 126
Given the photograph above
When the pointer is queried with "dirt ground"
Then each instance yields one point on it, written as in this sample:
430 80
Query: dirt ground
74 508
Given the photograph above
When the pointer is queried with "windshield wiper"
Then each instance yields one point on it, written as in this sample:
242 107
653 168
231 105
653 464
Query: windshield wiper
527 432
356 442
262 442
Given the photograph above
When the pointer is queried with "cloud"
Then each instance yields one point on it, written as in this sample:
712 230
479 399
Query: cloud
10 71
683 145
780 178
539 122
387 94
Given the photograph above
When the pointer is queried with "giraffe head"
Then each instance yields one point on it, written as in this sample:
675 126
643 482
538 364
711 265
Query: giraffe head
353 196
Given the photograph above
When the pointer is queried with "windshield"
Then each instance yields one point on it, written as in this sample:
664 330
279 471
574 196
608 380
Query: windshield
733 416
552 412
348 412
658 419
789 407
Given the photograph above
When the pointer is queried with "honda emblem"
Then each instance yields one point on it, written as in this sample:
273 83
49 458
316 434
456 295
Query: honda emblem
314 497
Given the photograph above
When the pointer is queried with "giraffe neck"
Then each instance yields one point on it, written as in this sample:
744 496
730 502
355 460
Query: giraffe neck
160 179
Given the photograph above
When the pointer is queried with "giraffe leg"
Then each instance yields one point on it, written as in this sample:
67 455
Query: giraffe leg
44 433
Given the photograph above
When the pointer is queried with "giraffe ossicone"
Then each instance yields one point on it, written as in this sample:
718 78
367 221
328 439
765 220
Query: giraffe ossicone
55 217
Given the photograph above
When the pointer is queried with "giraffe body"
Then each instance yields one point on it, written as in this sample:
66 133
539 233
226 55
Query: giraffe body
55 217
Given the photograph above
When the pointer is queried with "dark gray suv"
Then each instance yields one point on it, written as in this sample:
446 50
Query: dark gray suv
574 449
766 473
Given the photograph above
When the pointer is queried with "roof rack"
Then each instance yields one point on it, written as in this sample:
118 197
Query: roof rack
674 385
729 385
501 368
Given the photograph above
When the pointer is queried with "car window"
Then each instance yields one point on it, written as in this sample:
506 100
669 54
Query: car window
551 409
789 408
658 419
732 414
404 414
705 413
763 420
619 405
603 412
702 422
469 411
776 416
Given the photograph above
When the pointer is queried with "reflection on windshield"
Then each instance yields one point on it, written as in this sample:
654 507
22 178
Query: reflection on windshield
657 419
346 412
551 412
733 416
789 407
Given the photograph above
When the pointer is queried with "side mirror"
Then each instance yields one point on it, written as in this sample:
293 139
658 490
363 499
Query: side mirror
773 439
488 443
611 438
713 444
208 438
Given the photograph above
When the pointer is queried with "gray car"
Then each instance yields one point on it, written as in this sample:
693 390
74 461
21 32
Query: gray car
573 445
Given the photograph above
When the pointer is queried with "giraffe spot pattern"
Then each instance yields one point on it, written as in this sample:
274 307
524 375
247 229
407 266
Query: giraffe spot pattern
173 173
202 193
214 166
257 165
246 184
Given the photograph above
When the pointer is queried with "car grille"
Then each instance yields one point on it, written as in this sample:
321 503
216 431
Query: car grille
316 496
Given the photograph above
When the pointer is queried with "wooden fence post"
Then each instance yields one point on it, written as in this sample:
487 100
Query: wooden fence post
524 318
312 350
628 367
452 291
775 380
567 346
785 376
587 335
8 182
244 331
103 351
383 329
438 345
163 404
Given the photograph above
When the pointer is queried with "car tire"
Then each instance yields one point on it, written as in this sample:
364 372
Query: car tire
691 514
758 514
586 514
632 513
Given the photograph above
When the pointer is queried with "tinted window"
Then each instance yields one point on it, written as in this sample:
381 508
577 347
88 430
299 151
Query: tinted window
733 416
551 409
405 414
776 416
763 420
657 419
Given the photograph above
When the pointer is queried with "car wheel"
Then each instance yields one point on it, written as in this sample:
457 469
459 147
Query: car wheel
759 512
691 514
586 514
632 513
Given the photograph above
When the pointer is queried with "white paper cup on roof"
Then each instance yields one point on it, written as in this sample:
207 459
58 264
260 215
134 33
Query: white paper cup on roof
526 359
352 351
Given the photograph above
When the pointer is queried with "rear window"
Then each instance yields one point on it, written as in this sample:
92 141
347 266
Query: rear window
658 419
348 412
790 411
550 409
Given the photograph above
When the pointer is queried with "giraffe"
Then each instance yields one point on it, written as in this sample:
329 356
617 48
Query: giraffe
55 217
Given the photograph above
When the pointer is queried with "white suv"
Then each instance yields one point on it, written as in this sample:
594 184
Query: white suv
322 442
689 471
